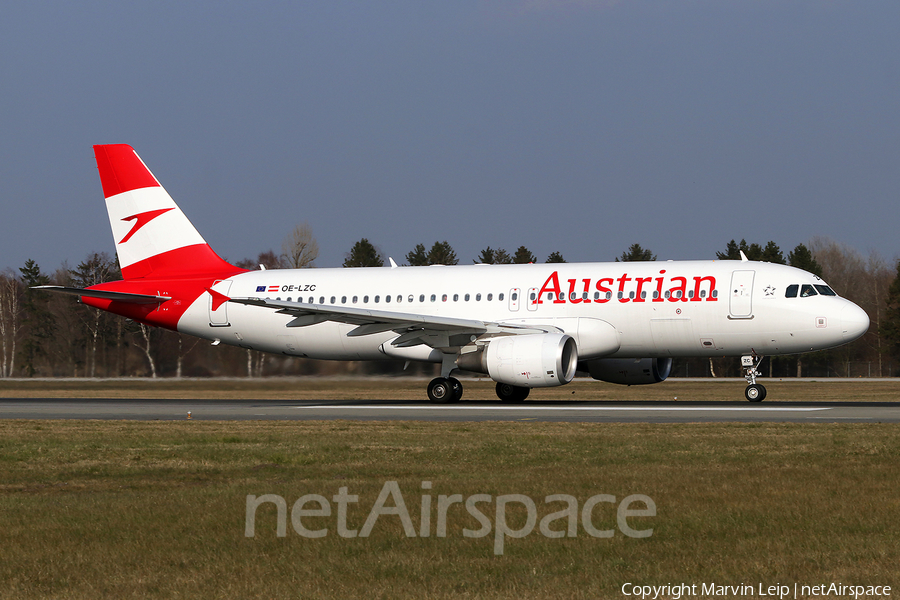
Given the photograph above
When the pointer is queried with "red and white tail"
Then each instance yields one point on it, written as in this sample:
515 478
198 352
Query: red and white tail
153 237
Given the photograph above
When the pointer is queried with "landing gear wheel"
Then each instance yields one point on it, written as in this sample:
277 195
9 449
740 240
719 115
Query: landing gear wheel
512 393
750 365
755 393
457 389
440 390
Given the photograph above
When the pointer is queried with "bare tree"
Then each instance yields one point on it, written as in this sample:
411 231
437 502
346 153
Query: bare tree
300 248
146 331
9 322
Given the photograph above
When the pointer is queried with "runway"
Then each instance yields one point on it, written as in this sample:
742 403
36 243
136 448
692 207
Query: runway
385 410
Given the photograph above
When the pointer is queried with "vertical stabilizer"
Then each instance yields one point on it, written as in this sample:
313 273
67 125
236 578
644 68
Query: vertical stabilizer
153 237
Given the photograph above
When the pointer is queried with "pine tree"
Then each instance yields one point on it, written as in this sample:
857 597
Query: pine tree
442 253
364 254
523 256
802 258
37 320
772 253
555 257
636 253
486 257
97 325
417 257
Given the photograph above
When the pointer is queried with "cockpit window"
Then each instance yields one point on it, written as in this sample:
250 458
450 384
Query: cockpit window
825 290
791 291
807 290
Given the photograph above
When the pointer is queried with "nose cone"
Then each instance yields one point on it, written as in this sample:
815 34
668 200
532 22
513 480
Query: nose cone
854 322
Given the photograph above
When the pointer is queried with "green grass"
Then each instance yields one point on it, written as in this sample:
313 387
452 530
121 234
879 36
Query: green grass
157 509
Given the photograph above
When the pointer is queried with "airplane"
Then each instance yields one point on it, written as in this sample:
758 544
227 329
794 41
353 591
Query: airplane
524 326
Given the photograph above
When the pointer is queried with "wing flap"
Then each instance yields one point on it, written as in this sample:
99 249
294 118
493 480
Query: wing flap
412 329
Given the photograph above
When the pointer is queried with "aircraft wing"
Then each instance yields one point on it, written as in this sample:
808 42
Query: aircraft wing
413 329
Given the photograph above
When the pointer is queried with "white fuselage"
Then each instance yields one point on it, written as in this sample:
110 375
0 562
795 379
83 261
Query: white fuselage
640 309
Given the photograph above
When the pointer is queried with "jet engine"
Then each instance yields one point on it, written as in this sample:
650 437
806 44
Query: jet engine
530 360
629 371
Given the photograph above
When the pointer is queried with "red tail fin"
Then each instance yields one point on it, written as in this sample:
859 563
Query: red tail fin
153 237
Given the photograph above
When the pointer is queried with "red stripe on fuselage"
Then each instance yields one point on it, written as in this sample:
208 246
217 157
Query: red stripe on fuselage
121 170
183 293
182 274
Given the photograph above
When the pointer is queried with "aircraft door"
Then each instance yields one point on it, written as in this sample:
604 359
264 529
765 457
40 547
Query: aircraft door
741 301
514 299
532 298
218 315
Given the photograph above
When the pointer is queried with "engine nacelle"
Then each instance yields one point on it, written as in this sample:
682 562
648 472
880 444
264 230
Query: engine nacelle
532 360
629 371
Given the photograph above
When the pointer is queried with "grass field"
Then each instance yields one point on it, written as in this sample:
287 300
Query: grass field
92 509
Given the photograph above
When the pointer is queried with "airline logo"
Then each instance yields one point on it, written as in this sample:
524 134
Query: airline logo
142 219
672 289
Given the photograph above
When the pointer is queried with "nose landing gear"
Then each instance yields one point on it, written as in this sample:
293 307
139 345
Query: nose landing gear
755 392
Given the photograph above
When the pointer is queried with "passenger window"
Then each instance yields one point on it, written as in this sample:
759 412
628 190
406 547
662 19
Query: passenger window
444 298
421 297
478 297
332 299
311 300
515 297
388 298
791 291
807 290
456 297
377 299
466 297
355 299
433 297
343 299
365 299
321 299
825 290
490 297
500 297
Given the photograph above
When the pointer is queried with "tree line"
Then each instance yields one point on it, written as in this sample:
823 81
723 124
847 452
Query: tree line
52 335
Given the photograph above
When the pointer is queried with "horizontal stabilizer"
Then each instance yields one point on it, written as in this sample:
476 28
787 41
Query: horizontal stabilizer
115 296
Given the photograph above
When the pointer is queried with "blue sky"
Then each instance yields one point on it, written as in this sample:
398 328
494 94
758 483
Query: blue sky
579 127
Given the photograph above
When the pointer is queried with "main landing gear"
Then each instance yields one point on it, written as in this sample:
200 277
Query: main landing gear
445 389
755 392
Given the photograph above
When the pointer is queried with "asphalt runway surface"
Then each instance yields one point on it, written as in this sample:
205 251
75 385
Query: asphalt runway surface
386 410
